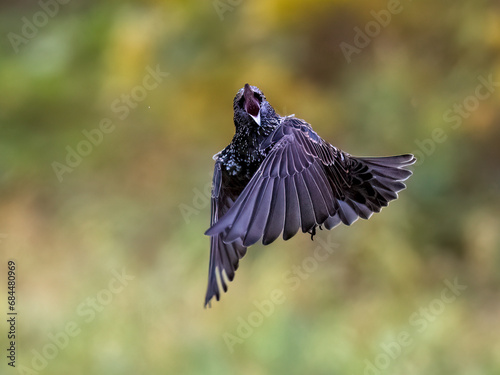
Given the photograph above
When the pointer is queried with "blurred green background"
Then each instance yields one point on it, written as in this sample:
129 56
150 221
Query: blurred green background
123 205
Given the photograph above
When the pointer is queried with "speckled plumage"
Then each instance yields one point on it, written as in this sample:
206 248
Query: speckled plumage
243 156
278 176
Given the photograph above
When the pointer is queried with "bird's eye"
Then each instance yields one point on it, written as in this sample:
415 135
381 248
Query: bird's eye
257 96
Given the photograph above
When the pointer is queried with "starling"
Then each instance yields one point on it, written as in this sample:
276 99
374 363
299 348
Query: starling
277 175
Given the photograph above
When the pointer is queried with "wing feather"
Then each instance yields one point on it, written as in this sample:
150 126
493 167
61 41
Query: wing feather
276 220
224 258
302 183
260 214
292 216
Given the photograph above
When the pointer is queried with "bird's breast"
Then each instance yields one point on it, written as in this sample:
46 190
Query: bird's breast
242 160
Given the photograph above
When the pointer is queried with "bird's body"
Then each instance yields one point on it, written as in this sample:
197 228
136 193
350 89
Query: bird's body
277 175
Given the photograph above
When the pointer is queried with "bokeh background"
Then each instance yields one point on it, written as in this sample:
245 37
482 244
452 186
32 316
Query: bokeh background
137 202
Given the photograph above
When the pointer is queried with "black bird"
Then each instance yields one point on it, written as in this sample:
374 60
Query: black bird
277 175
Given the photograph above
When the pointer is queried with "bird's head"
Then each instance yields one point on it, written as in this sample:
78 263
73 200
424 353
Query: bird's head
251 108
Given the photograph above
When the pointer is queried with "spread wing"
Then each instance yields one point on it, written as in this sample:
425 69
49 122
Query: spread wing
223 256
305 182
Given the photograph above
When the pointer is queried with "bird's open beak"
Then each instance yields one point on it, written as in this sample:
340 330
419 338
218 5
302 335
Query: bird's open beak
256 118
252 105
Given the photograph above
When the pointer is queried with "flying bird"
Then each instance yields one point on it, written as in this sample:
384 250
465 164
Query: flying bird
278 176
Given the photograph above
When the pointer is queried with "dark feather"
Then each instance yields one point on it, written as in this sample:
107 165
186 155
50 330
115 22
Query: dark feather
291 179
